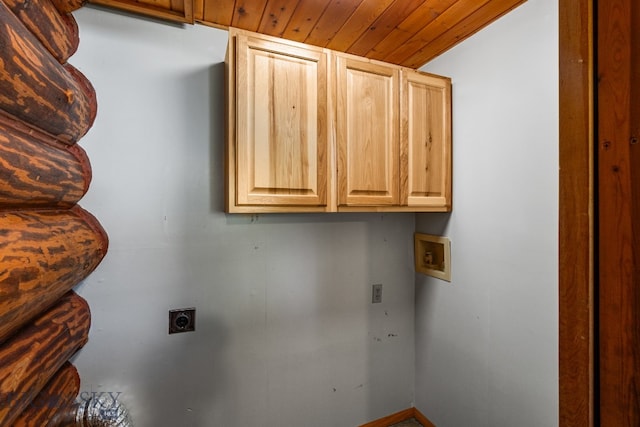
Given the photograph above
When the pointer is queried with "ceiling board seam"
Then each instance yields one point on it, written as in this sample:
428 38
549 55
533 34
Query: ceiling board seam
437 21
380 19
403 32
419 55
367 28
314 24
283 12
233 15
321 16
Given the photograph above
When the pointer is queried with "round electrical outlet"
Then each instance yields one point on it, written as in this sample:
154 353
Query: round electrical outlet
182 320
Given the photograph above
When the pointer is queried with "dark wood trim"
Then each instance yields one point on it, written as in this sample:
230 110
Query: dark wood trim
576 216
618 212
400 416
422 419
180 11
397 417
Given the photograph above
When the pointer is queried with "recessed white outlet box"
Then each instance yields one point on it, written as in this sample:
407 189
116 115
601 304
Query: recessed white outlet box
433 256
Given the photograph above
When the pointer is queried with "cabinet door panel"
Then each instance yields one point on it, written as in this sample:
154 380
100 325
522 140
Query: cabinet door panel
367 133
281 139
426 129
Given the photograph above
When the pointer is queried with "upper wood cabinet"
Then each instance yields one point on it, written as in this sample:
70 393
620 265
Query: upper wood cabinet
310 129
278 135
172 10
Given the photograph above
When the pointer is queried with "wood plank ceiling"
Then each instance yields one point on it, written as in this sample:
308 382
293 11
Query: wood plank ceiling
403 32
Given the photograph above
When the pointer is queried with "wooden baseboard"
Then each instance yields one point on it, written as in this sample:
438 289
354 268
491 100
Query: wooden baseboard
422 419
398 417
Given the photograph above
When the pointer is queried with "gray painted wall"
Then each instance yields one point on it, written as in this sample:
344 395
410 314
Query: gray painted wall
286 334
285 330
487 343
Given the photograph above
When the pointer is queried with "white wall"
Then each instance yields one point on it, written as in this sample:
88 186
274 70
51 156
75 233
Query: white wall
286 334
487 343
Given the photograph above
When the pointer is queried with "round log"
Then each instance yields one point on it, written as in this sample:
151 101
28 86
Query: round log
38 90
36 174
43 254
57 395
58 32
67 6
34 354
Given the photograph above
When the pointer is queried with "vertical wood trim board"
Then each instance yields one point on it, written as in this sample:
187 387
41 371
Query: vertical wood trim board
619 212
576 216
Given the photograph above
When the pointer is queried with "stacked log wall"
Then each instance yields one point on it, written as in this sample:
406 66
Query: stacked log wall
57 395
58 32
36 89
44 254
37 174
48 244
31 357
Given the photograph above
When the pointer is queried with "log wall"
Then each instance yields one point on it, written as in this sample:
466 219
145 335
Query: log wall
57 395
37 89
58 32
48 244
68 6
40 175
33 355
44 254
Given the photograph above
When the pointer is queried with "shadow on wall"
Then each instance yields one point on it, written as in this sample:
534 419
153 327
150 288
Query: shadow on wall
217 136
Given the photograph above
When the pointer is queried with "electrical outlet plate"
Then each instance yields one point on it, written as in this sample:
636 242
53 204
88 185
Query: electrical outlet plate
433 256
376 294
182 320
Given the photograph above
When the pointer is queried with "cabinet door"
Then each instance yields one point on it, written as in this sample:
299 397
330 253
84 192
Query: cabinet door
281 124
367 133
426 140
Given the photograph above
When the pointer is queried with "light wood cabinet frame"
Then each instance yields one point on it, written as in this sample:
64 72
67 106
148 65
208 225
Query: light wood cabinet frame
382 137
